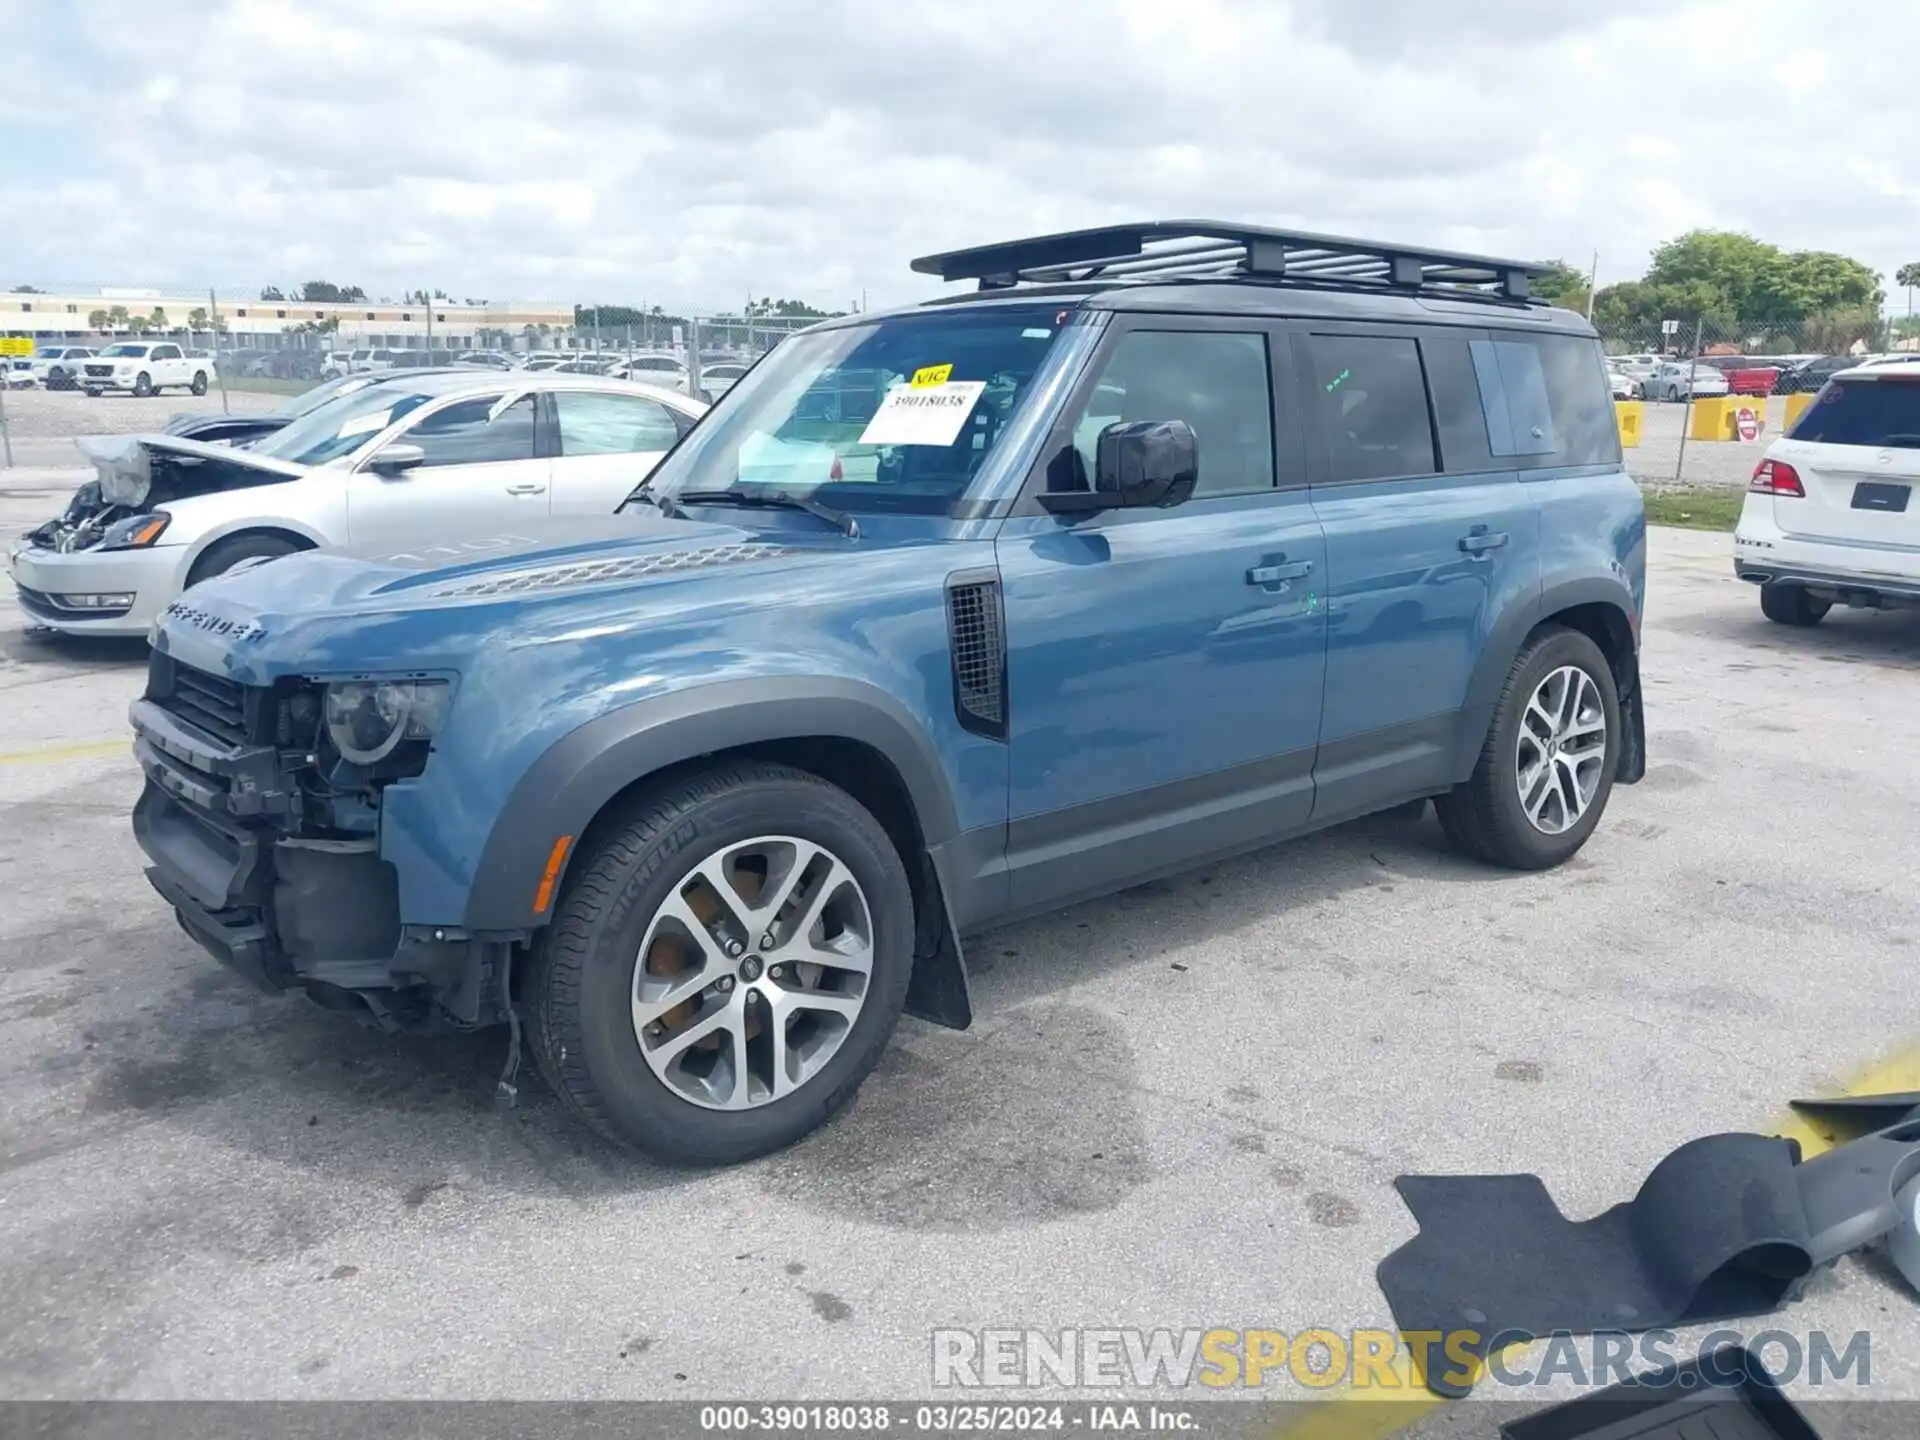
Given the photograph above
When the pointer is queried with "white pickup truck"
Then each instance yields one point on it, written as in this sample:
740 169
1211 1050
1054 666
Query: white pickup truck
145 367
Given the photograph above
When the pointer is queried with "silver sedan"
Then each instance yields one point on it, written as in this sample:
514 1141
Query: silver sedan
420 459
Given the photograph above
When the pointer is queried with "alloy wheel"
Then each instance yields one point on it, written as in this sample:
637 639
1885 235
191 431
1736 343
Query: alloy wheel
1562 750
752 972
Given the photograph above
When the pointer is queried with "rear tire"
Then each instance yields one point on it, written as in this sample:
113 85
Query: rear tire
92 394
582 990
1537 791
223 555
1792 605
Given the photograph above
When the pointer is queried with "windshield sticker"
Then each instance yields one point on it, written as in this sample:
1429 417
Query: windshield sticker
930 375
930 415
363 424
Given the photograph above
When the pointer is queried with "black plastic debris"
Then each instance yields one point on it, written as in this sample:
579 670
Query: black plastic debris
1726 1394
1727 1227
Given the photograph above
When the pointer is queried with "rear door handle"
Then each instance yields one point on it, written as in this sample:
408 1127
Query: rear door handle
1280 570
527 488
1479 542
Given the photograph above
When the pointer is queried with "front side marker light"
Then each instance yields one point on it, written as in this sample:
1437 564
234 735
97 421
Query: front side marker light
543 897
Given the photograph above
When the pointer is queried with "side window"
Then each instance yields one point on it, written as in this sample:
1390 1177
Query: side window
166 352
1373 406
462 434
1458 410
1218 382
1547 401
592 424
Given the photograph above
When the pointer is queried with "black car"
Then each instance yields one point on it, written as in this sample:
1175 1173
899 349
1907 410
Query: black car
245 429
1812 375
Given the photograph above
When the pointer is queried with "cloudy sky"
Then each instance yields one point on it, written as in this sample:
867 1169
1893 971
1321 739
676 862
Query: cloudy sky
687 153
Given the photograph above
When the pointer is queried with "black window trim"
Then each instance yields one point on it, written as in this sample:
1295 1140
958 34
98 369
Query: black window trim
1320 451
1289 462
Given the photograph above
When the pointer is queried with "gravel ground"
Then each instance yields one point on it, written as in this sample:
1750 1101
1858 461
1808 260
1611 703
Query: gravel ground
1729 463
1182 1106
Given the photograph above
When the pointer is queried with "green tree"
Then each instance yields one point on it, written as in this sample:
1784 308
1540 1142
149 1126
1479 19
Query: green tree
117 317
139 324
1834 332
98 320
1563 286
1907 277
326 292
273 292
158 320
1722 272
197 319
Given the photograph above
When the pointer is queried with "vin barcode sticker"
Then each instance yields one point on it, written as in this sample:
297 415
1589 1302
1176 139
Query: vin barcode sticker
923 414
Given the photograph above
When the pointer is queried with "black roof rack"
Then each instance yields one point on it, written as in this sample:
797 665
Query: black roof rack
1213 249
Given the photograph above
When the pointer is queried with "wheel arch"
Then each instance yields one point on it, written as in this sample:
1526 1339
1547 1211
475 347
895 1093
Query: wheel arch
299 536
851 734
1601 607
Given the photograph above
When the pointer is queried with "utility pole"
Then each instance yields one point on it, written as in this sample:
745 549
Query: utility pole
1593 279
219 370
1686 416
428 295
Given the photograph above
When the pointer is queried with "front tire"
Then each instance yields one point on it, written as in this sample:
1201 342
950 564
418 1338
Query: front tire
223 555
656 1008
199 386
1547 767
92 394
1792 605
143 384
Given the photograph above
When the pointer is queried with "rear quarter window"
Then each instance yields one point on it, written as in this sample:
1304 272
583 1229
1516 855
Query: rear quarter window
1883 412
1547 400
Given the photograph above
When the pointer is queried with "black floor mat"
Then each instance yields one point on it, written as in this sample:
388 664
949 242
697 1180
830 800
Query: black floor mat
1717 1232
1699 1400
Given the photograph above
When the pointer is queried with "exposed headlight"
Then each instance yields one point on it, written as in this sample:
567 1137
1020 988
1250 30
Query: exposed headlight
367 720
136 532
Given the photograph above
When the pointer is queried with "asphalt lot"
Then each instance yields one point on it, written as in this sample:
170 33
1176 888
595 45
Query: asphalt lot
1182 1106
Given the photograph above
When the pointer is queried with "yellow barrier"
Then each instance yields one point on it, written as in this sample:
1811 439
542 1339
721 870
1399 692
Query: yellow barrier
1796 407
1628 413
1717 417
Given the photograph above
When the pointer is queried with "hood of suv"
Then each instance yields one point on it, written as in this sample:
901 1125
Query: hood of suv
441 599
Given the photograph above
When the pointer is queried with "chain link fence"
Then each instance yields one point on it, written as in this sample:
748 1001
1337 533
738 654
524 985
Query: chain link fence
1701 396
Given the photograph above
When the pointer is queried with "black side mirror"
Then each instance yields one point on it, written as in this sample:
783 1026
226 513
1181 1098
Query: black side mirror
1137 463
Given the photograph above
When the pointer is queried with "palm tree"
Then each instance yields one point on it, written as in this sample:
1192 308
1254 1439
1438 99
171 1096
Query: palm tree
117 317
98 320
197 319
158 320
1908 277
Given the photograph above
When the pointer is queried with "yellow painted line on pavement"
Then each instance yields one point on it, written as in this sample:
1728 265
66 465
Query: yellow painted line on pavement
1377 1411
66 752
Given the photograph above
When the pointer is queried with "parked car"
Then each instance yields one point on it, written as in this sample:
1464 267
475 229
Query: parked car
667 370
17 372
336 363
1621 385
492 359
1681 380
1805 379
248 426
1745 374
718 378
414 459
145 368
57 367
1882 362
708 797
1830 515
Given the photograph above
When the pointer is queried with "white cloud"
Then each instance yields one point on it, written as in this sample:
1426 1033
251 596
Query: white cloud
688 154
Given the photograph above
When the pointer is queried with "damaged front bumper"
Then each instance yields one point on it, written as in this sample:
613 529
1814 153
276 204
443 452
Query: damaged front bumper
222 822
94 592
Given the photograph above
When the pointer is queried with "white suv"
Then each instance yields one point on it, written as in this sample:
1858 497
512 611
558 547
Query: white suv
1830 514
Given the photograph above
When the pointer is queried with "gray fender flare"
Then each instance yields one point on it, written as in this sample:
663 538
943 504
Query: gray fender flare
1510 632
566 787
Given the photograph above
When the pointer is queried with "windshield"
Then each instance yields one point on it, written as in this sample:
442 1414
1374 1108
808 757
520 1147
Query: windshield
341 425
898 414
322 394
138 351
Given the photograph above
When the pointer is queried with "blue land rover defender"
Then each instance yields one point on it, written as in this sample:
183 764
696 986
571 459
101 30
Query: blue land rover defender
1166 542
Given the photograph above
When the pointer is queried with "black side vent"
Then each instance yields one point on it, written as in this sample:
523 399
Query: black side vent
977 632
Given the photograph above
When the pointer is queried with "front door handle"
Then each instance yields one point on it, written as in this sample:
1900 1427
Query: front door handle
527 488
1278 571
1479 542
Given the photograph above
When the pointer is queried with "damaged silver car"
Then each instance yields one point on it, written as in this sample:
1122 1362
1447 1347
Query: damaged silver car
421 459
